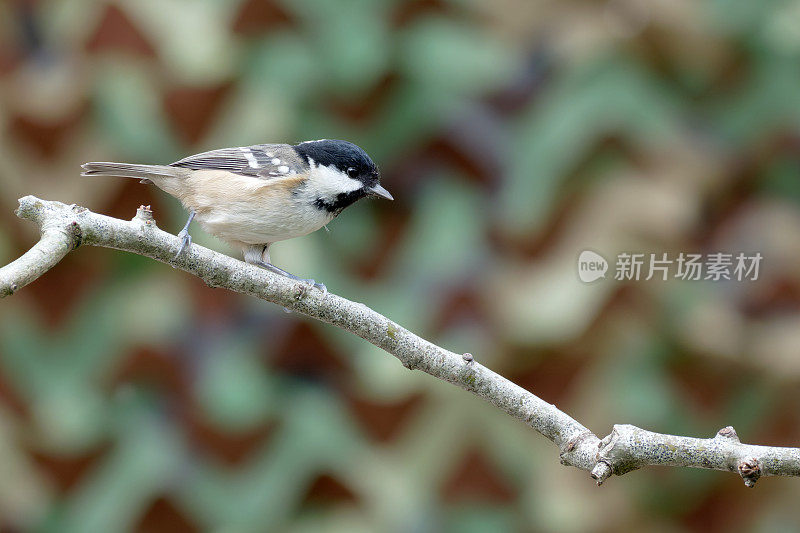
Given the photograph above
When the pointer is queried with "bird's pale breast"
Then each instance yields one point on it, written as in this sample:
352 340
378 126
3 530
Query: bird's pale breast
250 210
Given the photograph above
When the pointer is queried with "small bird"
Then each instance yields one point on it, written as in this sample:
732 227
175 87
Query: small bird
253 196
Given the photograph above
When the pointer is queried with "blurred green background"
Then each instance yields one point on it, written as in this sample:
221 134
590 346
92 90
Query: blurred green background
513 134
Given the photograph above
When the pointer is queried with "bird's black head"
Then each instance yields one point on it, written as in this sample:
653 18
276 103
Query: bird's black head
347 157
349 174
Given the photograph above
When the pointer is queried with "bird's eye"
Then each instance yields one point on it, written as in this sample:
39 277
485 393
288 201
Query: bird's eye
352 172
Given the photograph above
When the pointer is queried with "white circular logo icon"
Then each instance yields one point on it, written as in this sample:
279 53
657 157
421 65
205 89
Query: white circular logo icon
591 266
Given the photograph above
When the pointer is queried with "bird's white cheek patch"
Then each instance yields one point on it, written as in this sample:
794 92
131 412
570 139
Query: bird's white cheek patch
331 181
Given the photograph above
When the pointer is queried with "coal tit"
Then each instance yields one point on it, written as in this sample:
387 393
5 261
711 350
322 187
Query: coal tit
252 196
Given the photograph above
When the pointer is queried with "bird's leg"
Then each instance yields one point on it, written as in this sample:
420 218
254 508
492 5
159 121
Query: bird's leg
184 235
273 268
259 255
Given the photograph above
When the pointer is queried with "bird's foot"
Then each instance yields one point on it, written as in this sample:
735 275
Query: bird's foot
320 286
273 268
186 242
186 239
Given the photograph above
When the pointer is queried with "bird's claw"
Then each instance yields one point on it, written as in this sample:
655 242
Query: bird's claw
186 242
320 286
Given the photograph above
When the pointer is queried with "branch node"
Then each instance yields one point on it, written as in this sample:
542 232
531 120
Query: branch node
728 433
76 233
601 472
467 357
144 215
617 449
570 445
29 207
750 470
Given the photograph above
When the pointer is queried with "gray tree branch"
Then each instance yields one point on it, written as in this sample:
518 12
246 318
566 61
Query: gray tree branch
64 228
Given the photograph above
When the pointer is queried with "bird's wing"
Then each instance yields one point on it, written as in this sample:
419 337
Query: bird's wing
260 160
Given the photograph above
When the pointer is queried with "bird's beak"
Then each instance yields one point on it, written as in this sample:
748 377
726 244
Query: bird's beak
380 191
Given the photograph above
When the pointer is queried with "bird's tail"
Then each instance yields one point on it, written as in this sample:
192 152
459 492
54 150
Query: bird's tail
127 170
